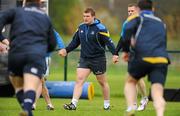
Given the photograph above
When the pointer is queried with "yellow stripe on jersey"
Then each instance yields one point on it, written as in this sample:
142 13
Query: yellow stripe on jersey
155 60
77 29
105 34
132 17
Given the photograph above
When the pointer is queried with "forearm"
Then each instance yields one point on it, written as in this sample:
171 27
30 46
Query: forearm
74 43
59 40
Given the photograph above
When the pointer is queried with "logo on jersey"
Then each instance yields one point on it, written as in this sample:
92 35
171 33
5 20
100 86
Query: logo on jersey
92 33
81 31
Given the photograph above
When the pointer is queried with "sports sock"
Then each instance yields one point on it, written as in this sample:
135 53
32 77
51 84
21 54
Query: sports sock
135 106
130 108
74 101
106 103
20 97
29 98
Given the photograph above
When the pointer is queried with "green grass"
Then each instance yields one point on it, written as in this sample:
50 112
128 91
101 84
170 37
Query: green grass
116 77
9 107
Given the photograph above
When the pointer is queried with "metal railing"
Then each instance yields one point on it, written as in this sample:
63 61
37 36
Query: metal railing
77 50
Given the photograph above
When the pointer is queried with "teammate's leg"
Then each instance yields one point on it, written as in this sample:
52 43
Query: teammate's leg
141 88
31 83
158 100
17 83
158 78
130 94
45 94
38 94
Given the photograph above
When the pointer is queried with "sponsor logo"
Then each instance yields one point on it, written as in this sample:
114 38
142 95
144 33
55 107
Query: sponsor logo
82 31
92 33
98 72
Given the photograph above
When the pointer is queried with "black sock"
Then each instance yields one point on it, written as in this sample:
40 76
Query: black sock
29 98
20 97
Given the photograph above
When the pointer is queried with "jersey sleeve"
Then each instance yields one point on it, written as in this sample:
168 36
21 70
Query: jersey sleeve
6 17
105 37
51 40
128 30
75 42
59 40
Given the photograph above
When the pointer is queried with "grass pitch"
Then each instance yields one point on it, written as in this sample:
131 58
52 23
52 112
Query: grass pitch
116 77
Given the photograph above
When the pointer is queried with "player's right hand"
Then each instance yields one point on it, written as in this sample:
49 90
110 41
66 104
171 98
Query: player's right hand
62 52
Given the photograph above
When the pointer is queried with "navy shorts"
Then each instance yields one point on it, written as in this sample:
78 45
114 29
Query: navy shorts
19 64
156 72
96 65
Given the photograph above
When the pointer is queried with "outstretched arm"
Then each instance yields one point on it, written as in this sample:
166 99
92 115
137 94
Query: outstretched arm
61 47
105 37
74 43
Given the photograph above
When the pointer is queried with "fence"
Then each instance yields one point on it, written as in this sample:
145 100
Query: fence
174 56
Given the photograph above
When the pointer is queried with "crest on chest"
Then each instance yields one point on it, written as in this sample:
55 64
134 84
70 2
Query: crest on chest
92 33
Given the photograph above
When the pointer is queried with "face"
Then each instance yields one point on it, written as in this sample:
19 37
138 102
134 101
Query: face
132 10
43 5
88 18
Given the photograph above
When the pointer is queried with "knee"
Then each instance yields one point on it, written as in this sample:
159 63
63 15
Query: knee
130 79
80 81
104 84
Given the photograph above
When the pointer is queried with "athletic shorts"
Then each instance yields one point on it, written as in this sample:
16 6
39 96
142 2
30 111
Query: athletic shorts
19 64
96 65
48 61
156 72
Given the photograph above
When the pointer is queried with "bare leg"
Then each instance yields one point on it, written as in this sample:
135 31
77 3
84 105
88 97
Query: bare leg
45 94
130 92
158 100
38 94
105 89
17 83
142 88
82 74
31 83
144 98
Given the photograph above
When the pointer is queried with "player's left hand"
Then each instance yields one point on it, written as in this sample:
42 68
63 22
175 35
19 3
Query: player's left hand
115 59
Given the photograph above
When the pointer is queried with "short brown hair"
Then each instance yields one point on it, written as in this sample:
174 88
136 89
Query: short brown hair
90 10
132 4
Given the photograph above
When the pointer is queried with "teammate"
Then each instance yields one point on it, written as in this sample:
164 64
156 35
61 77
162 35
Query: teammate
31 38
148 56
133 9
42 89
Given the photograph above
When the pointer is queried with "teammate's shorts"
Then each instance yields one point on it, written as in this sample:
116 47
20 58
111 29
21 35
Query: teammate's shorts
19 64
96 65
48 62
156 72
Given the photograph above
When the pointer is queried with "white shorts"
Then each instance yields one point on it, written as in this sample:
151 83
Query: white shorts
48 61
